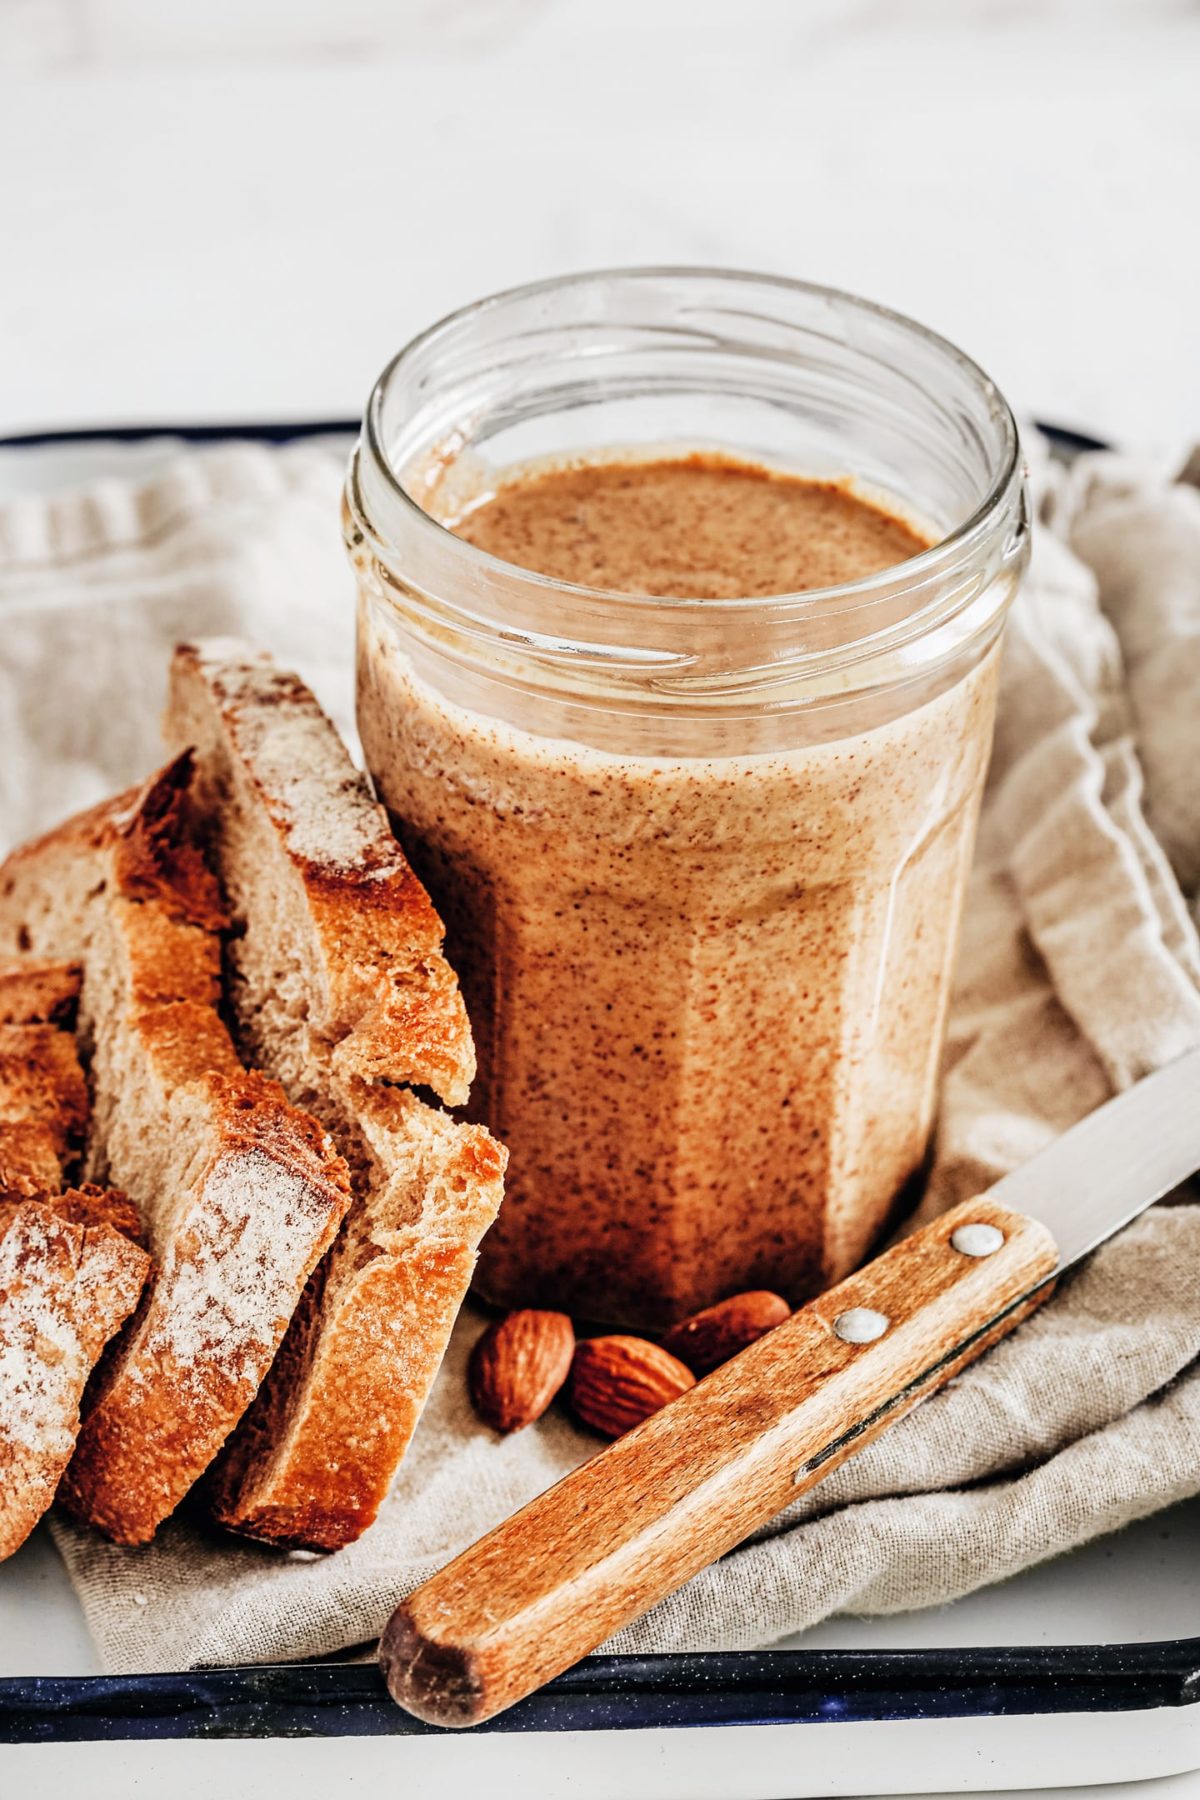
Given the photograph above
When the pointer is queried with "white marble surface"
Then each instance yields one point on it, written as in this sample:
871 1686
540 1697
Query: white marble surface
240 209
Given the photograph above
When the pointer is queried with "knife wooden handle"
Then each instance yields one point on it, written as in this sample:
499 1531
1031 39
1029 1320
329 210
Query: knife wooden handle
655 1507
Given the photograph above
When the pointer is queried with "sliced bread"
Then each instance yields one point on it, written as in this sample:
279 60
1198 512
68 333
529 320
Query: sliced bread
43 1109
353 957
71 1273
70 1268
338 988
43 1095
36 992
241 1193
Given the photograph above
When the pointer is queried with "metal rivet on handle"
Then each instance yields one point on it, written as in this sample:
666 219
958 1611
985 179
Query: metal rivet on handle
860 1325
977 1240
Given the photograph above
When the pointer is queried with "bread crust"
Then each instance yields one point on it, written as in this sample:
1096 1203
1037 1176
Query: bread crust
38 991
43 1095
29 1161
373 1006
43 1109
93 1207
41 1081
242 1193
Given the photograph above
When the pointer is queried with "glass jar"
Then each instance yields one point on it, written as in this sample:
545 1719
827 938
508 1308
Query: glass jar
701 862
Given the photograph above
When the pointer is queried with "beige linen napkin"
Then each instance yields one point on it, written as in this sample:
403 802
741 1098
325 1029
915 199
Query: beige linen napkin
1080 970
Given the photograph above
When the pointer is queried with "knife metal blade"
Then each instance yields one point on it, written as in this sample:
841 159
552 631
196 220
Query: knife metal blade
1103 1172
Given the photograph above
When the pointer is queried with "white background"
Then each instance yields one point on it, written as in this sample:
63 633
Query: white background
238 209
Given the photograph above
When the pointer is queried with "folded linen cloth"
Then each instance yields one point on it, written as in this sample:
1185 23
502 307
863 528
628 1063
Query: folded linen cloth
1079 971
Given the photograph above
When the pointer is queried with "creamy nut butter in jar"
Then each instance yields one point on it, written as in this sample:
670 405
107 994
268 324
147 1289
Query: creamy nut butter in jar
681 595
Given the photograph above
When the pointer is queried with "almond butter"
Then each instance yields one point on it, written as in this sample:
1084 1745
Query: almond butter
616 1382
711 1337
518 1366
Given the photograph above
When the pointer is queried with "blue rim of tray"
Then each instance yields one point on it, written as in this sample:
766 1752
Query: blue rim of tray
602 1693
616 1693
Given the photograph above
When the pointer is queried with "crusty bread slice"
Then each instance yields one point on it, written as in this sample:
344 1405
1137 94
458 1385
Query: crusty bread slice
241 1193
339 988
354 957
314 1457
70 1275
43 1095
71 1270
43 1108
36 992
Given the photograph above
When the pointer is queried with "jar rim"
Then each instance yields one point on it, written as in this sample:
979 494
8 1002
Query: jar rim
928 564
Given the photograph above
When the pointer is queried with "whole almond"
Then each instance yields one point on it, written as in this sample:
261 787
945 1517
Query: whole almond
616 1382
711 1337
518 1366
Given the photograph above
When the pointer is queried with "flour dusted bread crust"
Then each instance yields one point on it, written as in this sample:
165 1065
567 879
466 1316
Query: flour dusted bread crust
339 989
70 1275
240 1192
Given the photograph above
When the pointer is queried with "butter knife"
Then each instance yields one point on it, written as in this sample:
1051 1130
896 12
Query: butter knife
652 1509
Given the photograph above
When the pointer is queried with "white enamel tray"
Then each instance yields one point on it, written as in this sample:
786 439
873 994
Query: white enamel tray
1083 1671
